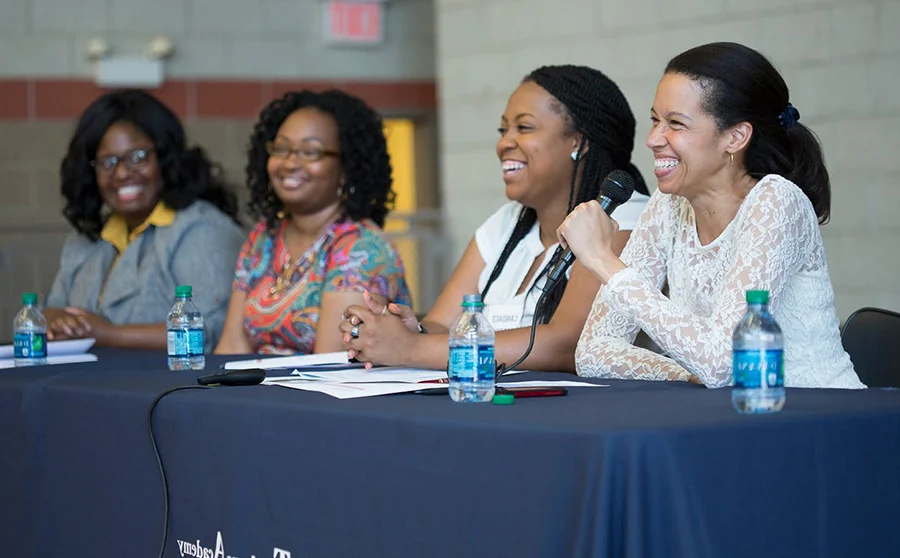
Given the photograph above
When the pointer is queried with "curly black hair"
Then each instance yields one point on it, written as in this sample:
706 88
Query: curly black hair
592 104
368 193
187 173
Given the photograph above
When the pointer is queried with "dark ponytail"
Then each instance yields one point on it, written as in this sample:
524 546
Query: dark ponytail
741 85
592 104
808 169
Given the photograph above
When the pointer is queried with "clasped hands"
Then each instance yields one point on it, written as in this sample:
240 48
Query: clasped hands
379 332
75 323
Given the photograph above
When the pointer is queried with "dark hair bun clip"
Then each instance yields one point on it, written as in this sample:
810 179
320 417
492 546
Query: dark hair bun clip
789 116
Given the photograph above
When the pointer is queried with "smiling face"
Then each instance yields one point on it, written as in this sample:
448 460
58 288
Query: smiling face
304 166
535 147
689 150
127 172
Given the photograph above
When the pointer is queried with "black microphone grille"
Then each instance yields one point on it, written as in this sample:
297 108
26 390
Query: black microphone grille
617 186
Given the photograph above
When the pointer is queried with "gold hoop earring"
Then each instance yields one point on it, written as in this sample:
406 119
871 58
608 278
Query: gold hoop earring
732 159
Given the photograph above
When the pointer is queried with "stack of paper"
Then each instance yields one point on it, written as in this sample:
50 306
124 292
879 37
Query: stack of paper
321 361
349 384
335 375
58 352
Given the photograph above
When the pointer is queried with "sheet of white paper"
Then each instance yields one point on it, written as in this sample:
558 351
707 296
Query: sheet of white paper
542 383
386 374
296 361
372 388
514 372
65 359
56 348
352 391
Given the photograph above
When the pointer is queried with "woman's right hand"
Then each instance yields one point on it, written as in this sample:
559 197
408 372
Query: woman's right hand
378 304
63 325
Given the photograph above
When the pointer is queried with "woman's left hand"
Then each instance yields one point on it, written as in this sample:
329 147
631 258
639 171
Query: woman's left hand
588 231
381 338
98 327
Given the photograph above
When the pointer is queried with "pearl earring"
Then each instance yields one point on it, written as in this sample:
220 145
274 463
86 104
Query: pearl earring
575 155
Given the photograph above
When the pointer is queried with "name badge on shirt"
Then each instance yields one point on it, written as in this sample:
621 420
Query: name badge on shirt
504 316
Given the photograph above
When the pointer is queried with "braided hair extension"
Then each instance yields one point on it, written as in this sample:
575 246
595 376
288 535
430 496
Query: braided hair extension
592 104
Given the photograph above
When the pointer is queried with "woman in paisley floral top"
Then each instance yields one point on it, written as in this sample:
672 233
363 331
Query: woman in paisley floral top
320 184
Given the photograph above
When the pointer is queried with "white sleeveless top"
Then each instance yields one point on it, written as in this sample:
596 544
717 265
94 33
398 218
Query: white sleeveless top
503 306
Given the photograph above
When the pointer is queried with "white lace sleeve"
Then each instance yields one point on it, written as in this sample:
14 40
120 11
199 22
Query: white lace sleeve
775 237
604 348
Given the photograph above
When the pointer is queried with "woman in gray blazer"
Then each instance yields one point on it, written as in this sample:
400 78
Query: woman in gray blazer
149 214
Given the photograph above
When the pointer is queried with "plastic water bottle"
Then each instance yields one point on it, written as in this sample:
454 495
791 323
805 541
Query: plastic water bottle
184 333
758 359
29 334
471 366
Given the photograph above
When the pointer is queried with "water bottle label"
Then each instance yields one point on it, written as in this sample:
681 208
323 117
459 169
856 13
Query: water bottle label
485 363
30 345
195 342
177 342
755 368
466 365
462 364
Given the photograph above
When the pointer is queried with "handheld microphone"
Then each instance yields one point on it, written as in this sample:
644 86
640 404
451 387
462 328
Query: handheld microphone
616 189
233 378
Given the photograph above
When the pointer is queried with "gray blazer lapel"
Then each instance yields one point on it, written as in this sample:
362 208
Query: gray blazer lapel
85 266
124 280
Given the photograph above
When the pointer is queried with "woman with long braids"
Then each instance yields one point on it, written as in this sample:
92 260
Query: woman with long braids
320 183
564 129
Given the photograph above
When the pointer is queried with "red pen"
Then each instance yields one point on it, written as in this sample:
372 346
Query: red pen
437 381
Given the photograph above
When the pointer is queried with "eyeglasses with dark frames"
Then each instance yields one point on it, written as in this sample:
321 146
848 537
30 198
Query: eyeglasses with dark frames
309 154
134 160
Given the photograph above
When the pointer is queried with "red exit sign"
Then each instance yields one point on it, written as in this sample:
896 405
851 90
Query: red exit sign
352 22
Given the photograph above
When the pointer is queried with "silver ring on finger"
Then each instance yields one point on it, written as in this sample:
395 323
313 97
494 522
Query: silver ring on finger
354 332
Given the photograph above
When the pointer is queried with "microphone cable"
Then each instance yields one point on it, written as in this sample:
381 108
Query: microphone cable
162 470
503 368
249 377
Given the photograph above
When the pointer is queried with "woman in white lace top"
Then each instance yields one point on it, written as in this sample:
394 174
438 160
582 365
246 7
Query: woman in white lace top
742 190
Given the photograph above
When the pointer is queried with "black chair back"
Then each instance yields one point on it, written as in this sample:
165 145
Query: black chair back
871 336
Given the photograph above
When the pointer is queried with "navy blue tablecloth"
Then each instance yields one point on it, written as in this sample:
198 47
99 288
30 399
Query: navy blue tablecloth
633 469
